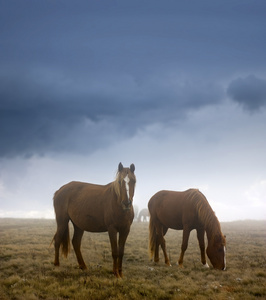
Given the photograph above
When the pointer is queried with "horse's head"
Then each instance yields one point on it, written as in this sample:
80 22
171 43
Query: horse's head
126 180
216 252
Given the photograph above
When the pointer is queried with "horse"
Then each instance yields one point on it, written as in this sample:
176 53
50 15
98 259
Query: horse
186 211
143 215
136 211
95 208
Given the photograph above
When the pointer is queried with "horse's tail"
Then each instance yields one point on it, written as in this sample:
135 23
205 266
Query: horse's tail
65 243
152 237
61 237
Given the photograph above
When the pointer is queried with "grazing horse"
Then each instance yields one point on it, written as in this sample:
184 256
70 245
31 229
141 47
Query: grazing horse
186 210
143 215
96 208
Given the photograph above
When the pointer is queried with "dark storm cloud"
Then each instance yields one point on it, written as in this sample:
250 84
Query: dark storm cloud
79 76
40 115
249 92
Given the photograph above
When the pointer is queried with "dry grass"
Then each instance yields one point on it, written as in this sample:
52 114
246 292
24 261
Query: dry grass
27 272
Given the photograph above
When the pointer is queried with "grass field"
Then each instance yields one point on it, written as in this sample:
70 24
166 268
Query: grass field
27 272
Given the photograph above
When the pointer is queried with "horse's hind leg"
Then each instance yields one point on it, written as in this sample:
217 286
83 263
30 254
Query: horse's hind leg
156 250
163 245
76 242
56 247
161 231
61 237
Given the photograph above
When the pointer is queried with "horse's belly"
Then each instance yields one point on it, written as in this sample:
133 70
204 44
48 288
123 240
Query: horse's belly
173 224
87 214
89 223
169 220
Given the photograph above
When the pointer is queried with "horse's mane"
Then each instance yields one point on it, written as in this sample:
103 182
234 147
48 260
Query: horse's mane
205 213
116 184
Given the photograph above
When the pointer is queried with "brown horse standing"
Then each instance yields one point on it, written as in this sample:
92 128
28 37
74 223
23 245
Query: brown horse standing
96 208
185 210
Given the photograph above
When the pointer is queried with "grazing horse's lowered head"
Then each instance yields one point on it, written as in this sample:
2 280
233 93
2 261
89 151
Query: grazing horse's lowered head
216 251
124 185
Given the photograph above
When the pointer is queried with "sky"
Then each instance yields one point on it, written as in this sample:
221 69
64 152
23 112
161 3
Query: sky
176 87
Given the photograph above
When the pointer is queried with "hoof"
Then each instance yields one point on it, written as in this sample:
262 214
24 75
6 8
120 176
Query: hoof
83 268
155 263
118 275
206 266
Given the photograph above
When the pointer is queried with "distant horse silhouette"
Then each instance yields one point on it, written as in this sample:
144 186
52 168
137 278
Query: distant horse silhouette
185 210
143 215
95 208
136 211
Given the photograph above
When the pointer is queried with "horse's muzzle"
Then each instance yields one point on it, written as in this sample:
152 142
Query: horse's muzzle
126 205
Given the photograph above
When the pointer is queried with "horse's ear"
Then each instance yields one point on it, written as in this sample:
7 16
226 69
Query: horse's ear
120 167
132 168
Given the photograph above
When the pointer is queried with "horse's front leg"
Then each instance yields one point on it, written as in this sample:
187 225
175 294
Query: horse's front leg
122 240
200 236
186 233
113 240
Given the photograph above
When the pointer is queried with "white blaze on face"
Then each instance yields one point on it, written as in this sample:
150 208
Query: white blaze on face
126 179
224 259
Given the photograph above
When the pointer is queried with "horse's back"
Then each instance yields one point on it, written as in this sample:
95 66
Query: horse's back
166 198
173 208
77 190
84 203
78 194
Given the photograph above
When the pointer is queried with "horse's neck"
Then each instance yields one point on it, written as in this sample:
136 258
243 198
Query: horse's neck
213 228
208 219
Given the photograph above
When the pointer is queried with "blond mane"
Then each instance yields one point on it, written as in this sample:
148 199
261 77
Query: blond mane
205 213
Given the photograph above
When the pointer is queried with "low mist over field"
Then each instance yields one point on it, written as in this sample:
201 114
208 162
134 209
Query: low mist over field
177 88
